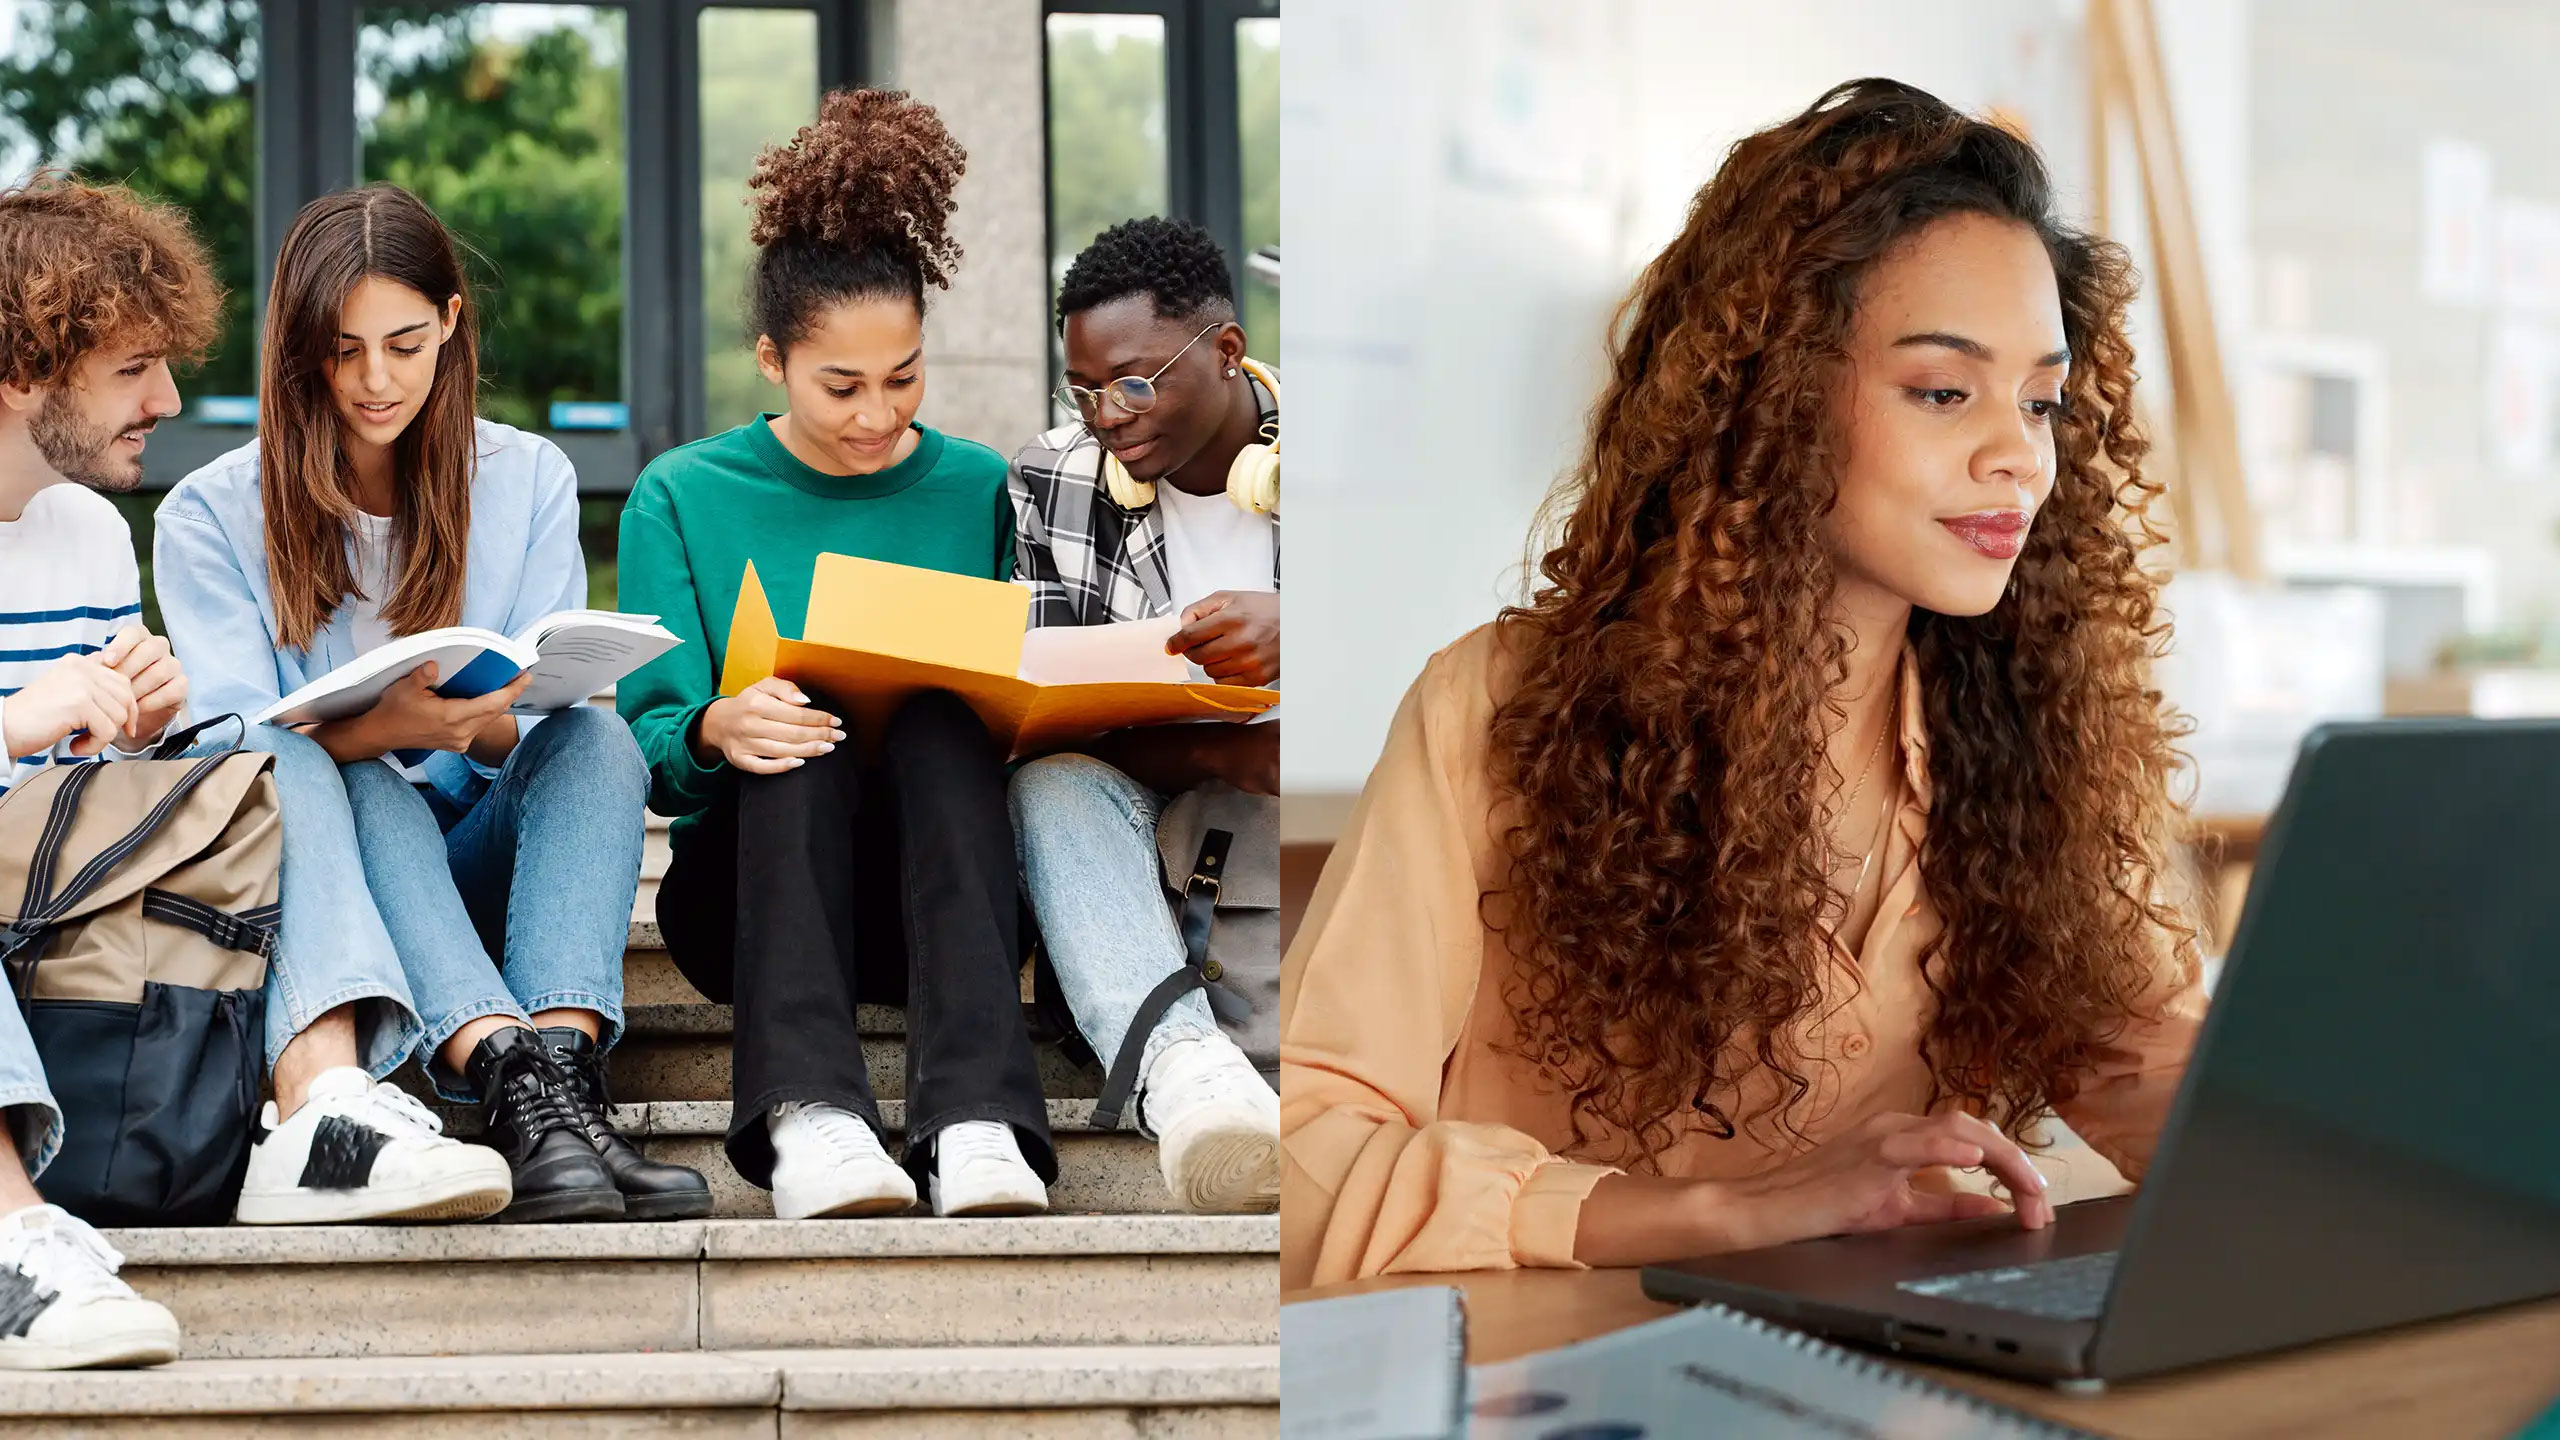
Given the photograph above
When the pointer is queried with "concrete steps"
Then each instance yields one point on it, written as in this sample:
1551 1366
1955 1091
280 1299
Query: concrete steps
315 1291
1213 1391
1109 1318
670 1079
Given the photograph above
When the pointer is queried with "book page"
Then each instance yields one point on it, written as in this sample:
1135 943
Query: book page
534 633
1131 650
1382 1366
468 660
582 656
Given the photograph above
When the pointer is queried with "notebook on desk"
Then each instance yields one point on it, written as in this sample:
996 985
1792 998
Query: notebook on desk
1713 1371
1388 1365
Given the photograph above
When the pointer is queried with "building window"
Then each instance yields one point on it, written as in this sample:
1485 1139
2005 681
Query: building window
1168 107
507 121
1258 165
759 85
1107 131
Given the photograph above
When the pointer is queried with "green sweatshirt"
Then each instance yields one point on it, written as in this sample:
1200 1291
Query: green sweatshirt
700 512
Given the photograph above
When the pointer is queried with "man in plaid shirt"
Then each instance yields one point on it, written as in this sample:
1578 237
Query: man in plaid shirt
1156 370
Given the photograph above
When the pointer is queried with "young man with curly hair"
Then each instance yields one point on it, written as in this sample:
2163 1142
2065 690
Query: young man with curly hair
100 291
1148 505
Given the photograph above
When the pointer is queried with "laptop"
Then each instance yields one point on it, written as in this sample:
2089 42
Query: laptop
2368 1132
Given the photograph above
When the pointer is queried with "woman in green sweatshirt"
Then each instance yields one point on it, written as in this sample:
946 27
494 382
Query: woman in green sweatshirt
804 879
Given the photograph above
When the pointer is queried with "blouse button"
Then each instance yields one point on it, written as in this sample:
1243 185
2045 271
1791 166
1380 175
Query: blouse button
1854 1046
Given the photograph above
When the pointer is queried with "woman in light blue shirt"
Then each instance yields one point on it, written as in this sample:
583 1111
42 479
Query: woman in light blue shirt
374 504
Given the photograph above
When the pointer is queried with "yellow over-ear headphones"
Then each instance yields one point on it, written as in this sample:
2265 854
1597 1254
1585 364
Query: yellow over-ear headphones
1253 481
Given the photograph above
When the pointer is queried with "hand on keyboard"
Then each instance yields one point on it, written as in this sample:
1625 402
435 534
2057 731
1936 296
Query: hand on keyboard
1865 1180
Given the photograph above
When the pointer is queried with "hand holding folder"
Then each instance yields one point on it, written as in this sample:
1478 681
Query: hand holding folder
877 633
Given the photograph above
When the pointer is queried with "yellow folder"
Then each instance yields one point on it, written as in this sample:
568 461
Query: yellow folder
877 633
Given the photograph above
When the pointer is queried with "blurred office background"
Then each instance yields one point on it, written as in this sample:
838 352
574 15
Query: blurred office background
595 156
1472 185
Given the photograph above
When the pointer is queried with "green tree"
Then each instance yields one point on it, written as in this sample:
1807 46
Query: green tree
160 95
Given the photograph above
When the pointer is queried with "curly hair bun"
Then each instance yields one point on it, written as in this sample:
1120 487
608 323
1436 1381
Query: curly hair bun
877 170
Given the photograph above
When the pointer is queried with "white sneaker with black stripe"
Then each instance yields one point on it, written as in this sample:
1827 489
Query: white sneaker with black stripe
61 1305
359 1149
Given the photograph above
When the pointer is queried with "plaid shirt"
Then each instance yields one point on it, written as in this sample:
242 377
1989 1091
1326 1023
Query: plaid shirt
1088 561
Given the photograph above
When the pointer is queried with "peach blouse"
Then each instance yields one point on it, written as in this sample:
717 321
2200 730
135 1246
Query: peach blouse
1415 1142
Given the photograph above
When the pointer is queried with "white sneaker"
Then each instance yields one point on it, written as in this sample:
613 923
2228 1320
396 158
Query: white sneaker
827 1161
1217 1125
359 1149
978 1169
61 1305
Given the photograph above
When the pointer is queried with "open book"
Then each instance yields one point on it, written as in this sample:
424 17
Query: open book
572 655
877 633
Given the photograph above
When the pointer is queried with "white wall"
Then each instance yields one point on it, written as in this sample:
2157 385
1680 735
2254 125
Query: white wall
1470 186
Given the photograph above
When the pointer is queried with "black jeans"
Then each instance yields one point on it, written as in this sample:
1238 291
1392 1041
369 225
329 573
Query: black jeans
893 884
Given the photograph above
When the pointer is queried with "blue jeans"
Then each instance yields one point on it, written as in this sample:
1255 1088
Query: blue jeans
35 1122
1086 834
540 871
331 948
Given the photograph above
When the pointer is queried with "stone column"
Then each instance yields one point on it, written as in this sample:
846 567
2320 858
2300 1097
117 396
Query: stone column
979 62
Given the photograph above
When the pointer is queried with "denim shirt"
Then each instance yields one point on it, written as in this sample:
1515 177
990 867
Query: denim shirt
209 565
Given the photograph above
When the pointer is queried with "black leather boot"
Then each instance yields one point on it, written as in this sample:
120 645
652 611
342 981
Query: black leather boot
651 1189
531 1109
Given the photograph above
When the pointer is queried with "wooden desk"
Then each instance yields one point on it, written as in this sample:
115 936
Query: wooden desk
2483 1377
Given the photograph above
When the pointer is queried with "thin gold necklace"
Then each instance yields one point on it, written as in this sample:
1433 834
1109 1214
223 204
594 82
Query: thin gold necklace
1872 757
1875 842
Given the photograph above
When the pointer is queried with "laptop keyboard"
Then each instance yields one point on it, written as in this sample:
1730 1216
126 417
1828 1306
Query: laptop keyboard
2072 1288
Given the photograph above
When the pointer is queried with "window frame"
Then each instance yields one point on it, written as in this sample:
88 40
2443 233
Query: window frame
1204 167
307 145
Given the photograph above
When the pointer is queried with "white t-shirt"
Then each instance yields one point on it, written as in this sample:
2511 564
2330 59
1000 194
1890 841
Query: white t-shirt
1211 544
374 577
68 583
369 544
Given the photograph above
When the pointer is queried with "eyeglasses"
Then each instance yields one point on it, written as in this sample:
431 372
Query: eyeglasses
1134 394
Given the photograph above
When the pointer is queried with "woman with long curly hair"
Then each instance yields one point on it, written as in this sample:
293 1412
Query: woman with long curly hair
1798 844
803 879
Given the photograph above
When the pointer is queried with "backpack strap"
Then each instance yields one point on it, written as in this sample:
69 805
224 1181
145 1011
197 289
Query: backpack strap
1198 972
253 931
38 911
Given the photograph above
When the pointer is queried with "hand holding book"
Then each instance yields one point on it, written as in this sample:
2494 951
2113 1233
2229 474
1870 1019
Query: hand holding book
410 718
766 728
1233 636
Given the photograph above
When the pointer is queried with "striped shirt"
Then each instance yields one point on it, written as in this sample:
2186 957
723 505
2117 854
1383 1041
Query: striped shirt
68 583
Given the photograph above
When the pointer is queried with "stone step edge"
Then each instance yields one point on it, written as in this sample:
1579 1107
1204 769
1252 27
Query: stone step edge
972 1377
896 1238
704 1020
711 1118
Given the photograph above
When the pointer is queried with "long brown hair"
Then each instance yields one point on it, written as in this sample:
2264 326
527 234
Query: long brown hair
303 466
1662 755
